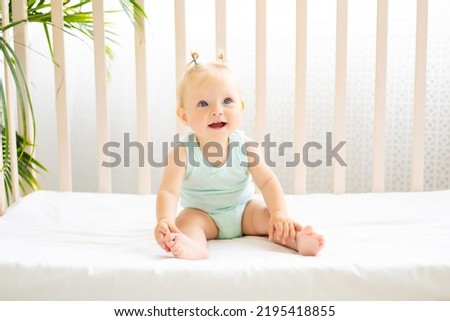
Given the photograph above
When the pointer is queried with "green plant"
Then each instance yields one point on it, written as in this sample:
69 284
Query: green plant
78 21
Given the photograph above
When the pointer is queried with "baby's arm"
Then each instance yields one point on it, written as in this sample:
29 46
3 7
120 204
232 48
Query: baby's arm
168 194
281 227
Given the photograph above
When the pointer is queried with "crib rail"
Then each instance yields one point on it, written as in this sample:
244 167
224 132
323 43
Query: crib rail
340 91
63 129
301 109
379 143
419 97
12 125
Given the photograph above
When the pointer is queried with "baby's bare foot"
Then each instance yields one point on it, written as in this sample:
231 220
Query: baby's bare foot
309 243
183 247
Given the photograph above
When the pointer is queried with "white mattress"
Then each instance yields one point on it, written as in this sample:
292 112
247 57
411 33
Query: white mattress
82 246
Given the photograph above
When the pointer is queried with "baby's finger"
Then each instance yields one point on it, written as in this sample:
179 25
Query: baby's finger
279 231
165 247
286 231
292 231
271 231
160 241
163 229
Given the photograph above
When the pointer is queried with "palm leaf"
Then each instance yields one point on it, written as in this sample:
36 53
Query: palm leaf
27 165
23 94
78 22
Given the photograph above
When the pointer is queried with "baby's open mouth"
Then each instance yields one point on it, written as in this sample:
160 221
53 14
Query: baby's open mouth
217 125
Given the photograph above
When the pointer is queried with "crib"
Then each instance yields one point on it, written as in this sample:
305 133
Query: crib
62 243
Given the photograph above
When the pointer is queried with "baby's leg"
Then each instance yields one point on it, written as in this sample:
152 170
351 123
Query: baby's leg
256 222
196 228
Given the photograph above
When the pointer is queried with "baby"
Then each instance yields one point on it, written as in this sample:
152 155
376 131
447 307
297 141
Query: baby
211 172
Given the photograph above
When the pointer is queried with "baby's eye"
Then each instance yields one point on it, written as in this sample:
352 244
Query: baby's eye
202 103
227 101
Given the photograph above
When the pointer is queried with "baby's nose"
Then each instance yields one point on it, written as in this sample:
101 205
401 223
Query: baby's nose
217 109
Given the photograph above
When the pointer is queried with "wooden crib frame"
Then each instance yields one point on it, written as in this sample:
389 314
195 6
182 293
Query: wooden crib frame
339 133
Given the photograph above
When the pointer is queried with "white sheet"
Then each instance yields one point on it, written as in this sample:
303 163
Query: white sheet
82 246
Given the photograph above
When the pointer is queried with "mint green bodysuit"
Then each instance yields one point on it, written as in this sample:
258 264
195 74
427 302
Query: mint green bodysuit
222 192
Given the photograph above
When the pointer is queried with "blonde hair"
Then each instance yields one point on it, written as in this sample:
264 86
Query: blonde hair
195 68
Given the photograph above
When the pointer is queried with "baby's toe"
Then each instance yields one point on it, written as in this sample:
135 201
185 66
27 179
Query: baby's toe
169 237
177 251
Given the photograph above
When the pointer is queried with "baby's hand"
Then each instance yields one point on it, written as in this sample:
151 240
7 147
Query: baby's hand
282 227
162 228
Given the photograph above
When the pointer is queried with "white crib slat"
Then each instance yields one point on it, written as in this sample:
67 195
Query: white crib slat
339 172
5 21
11 121
144 174
62 119
180 47
12 143
2 178
101 94
417 177
379 140
221 27
300 94
261 70
2 183
19 11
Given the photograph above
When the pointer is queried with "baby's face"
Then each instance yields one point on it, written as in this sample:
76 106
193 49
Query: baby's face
212 106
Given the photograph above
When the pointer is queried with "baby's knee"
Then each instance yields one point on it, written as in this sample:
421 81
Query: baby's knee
188 217
183 220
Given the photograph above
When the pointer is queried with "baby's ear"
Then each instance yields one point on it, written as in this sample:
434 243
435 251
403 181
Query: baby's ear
182 115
